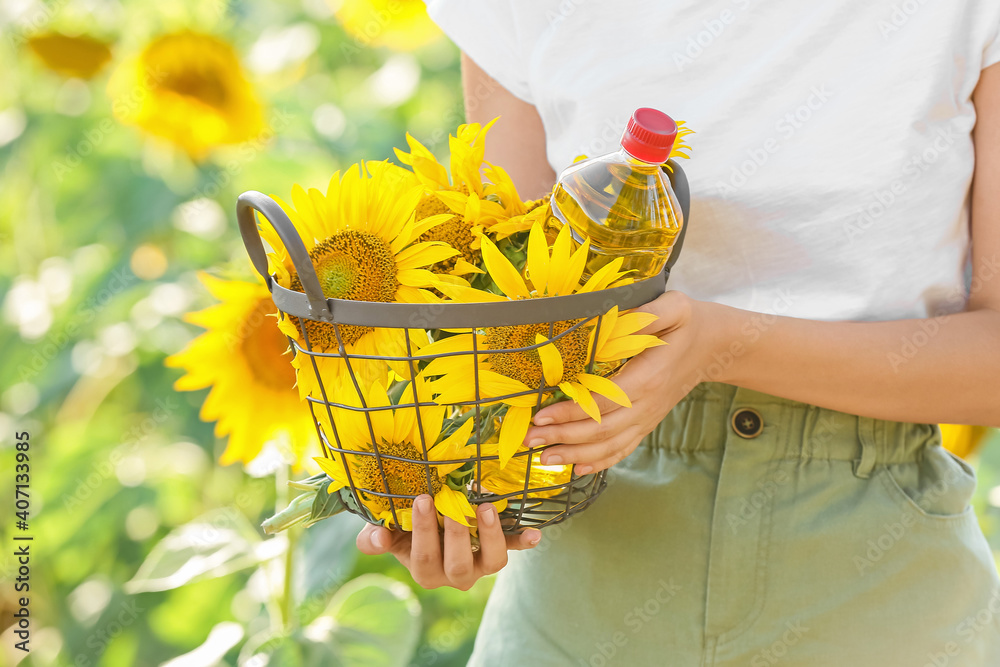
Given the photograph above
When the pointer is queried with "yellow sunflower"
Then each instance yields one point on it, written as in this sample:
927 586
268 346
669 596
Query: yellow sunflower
396 432
961 440
521 216
189 89
362 240
79 56
463 196
242 358
560 358
402 25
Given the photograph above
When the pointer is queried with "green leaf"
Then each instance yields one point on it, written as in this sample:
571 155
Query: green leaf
451 425
310 483
215 544
325 504
487 417
314 505
223 637
373 621
277 650
515 248
459 479
327 555
395 392
352 504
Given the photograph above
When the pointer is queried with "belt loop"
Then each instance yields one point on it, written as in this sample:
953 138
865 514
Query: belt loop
866 434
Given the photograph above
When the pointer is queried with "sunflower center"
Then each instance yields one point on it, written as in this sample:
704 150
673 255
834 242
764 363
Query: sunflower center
456 232
350 265
405 478
355 265
203 85
532 204
526 366
263 346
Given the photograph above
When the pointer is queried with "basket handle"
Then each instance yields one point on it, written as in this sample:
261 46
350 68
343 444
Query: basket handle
251 201
679 182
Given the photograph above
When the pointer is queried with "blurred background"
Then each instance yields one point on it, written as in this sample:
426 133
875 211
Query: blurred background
127 129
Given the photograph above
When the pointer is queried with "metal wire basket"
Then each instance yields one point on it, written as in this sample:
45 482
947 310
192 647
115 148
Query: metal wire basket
530 506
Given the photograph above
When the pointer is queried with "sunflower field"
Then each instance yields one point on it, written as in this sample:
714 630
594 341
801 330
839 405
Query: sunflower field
145 378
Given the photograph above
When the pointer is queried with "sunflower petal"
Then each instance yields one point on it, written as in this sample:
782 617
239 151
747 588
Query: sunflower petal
455 505
453 447
403 421
416 278
286 327
581 396
464 294
463 267
608 322
430 222
456 201
423 254
552 365
454 443
493 384
448 279
569 280
405 516
451 387
503 272
334 470
406 294
630 322
440 365
627 346
560 254
538 258
512 431
502 230
503 186
606 388
604 276
381 420
430 171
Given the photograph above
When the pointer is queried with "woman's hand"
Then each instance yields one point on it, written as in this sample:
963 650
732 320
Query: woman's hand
655 381
434 563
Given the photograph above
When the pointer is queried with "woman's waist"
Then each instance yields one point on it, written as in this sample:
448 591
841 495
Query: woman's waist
714 416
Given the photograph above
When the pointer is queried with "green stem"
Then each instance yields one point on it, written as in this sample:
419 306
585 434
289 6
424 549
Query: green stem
285 603
287 593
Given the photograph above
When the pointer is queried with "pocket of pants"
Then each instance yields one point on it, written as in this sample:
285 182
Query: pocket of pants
938 487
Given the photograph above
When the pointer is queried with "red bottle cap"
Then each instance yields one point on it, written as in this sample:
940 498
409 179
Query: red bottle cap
649 136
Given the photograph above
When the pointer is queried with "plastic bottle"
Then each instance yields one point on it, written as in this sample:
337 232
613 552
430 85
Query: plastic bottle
623 201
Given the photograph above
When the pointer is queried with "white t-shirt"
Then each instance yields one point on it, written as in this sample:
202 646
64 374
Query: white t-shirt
831 167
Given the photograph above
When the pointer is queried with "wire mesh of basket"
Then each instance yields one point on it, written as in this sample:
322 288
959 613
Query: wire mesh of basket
532 495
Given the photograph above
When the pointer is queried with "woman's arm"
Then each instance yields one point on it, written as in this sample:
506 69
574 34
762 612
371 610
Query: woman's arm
517 141
945 369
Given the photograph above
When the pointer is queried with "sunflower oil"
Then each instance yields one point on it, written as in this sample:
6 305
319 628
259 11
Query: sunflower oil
623 201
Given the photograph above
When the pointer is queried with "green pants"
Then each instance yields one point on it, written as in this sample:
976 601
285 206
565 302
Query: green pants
753 530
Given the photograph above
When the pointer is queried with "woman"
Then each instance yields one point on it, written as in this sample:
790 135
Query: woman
779 494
